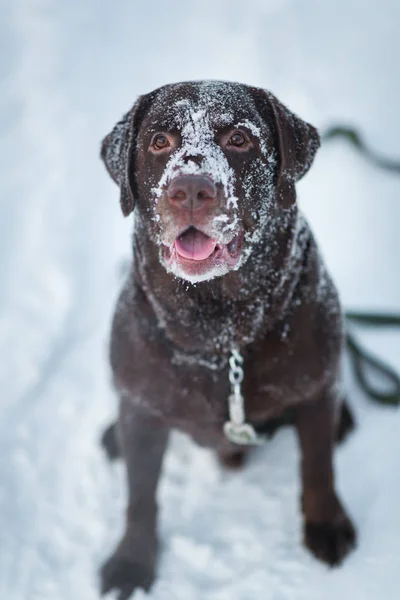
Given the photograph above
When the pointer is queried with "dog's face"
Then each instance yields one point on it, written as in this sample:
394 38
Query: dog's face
212 168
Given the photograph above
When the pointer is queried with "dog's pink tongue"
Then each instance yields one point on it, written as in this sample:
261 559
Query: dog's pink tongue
194 245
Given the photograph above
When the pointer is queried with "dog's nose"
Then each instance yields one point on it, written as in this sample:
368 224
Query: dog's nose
192 192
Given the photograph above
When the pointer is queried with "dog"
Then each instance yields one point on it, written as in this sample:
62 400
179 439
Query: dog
228 320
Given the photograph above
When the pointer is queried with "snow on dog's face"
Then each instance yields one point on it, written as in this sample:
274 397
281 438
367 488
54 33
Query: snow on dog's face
200 152
212 166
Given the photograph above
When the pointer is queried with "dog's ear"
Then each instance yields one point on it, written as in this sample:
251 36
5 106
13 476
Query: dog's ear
117 151
298 143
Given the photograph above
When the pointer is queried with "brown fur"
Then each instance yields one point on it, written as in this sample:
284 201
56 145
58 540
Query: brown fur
171 339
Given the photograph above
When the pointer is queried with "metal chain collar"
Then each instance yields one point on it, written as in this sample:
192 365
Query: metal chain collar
236 429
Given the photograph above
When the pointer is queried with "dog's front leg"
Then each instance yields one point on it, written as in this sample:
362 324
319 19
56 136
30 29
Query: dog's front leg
133 563
328 532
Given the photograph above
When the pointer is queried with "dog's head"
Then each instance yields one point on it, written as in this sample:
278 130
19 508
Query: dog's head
211 167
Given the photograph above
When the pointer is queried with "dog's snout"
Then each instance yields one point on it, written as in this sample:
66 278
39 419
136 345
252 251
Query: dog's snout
192 191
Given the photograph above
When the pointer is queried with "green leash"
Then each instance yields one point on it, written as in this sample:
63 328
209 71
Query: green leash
353 137
361 359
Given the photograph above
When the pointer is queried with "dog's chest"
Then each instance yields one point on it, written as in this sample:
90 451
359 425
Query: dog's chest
186 381
189 391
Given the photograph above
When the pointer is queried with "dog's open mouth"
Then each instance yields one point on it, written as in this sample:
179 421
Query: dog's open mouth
196 253
195 245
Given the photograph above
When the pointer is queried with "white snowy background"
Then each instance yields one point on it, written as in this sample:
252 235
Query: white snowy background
68 71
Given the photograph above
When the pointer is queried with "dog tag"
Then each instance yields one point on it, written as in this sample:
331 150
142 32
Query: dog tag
242 433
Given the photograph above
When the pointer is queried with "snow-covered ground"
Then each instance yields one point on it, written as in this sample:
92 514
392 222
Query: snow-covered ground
68 71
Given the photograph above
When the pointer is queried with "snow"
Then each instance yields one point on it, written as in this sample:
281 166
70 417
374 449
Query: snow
196 128
69 70
197 118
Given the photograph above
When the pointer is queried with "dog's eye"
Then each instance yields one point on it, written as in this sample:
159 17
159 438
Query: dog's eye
238 140
160 141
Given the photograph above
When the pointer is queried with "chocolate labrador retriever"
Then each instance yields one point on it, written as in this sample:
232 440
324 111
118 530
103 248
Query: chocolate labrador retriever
228 320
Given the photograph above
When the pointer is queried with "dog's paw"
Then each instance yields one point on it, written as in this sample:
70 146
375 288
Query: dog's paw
330 542
124 576
133 563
